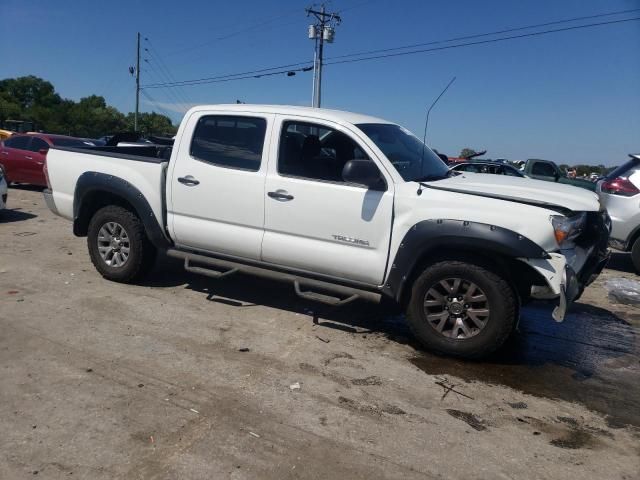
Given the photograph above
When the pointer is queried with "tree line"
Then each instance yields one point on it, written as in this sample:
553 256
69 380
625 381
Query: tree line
35 100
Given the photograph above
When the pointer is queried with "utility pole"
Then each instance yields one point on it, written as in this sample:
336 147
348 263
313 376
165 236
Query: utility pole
323 31
135 118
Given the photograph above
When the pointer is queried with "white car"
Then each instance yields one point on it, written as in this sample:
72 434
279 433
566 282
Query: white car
619 192
3 190
342 206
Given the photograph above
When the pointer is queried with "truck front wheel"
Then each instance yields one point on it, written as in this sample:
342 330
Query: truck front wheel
462 309
118 245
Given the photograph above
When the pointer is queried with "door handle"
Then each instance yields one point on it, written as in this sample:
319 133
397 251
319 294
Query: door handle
280 195
5 153
189 181
28 157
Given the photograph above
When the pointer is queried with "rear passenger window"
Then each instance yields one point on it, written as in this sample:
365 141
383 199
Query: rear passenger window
315 152
17 142
229 141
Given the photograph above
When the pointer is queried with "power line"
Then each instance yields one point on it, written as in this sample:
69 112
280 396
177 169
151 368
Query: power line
171 93
248 74
479 35
288 72
155 103
198 81
165 69
289 12
481 42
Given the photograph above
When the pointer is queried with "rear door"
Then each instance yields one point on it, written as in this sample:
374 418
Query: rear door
13 158
316 222
216 186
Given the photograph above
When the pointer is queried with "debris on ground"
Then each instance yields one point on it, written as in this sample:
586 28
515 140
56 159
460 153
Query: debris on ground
295 386
254 434
624 290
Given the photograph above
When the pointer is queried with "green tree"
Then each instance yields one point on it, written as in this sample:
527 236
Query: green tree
92 117
152 124
34 99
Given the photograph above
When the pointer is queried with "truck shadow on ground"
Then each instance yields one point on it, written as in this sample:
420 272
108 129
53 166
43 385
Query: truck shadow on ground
591 358
26 187
14 215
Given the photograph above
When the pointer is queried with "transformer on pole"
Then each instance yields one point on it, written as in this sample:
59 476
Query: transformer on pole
321 32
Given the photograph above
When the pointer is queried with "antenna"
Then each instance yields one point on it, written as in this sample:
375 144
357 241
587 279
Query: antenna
426 124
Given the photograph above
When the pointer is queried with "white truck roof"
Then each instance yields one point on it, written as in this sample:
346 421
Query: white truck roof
320 113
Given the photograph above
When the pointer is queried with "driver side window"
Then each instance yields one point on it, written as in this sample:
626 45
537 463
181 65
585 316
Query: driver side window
315 152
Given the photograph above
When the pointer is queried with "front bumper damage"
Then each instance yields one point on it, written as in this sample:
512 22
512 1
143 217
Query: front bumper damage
569 272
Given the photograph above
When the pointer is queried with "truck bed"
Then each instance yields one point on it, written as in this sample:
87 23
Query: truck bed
140 166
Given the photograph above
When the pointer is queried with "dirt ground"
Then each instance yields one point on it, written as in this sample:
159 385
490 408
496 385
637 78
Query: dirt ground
187 377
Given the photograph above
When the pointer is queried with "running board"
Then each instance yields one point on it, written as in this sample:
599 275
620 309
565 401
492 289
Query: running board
321 297
315 290
207 271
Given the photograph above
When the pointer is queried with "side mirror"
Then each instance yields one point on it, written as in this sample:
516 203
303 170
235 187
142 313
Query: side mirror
43 151
362 172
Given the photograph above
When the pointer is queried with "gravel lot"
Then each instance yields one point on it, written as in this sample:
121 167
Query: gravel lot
187 377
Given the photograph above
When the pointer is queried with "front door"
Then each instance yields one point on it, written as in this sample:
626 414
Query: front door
216 191
314 220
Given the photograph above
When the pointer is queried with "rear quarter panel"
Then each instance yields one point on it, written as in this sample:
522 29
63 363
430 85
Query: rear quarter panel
65 167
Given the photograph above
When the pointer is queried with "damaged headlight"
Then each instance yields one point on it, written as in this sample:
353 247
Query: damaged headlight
567 229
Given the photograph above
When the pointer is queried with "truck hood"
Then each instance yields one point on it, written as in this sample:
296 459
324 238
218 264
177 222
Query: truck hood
523 190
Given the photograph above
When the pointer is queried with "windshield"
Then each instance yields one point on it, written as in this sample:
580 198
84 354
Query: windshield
413 160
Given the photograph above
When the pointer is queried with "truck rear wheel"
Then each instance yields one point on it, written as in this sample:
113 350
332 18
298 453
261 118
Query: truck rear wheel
461 309
118 245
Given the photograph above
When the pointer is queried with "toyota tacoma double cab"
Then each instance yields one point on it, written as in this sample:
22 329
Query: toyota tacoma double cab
343 206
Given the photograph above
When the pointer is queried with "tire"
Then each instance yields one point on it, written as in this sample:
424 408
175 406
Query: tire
131 239
635 255
460 335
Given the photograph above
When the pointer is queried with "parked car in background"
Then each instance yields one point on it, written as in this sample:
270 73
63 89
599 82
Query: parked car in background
550 172
494 168
342 206
3 190
619 193
23 156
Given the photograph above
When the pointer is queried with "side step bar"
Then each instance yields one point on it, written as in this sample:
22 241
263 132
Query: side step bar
315 290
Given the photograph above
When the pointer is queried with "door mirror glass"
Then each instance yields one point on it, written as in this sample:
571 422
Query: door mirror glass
362 172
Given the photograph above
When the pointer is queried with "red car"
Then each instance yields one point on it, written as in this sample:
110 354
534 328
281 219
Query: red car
23 156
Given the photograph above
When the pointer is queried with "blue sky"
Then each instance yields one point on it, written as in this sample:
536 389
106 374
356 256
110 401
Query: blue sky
573 96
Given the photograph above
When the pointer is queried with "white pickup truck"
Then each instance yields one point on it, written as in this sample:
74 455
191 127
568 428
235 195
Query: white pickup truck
343 206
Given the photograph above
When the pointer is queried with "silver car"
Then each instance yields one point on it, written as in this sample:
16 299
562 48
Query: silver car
619 193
